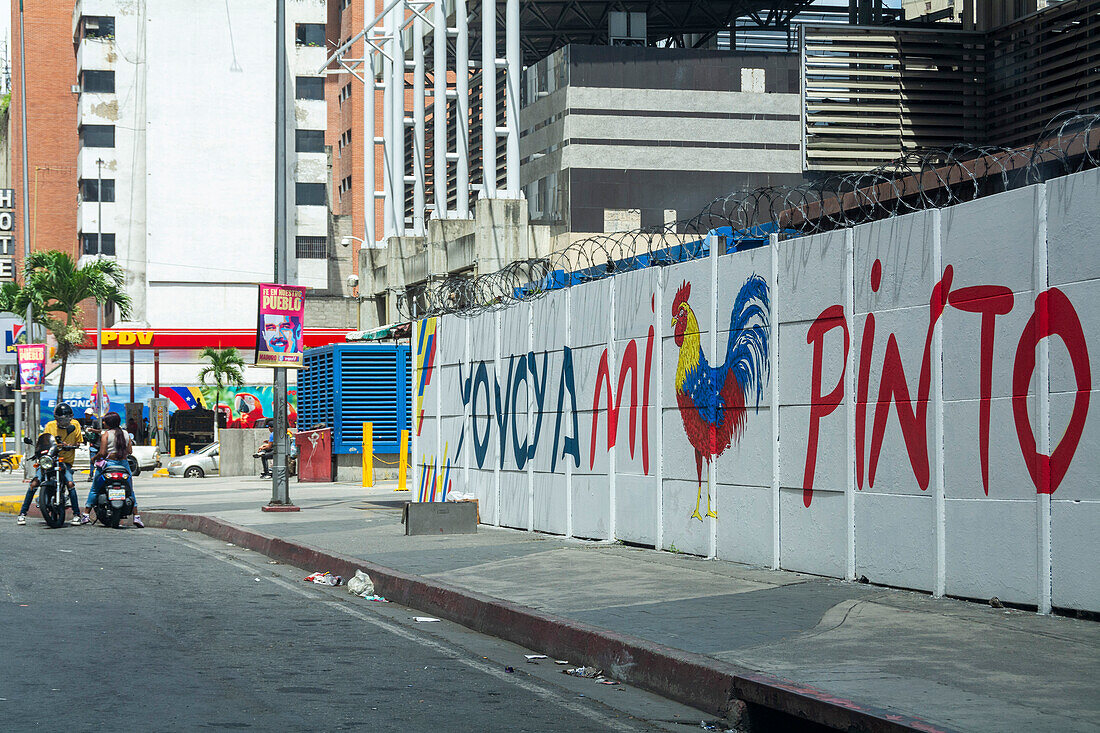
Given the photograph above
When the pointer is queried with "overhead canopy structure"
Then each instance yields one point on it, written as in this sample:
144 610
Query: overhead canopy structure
547 25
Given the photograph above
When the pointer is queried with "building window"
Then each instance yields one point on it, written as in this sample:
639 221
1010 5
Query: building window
97 81
97 136
97 26
345 93
345 186
345 4
311 248
345 138
89 189
310 34
309 194
90 243
309 141
309 87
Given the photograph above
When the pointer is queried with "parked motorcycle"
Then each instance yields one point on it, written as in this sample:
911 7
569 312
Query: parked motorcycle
112 499
53 494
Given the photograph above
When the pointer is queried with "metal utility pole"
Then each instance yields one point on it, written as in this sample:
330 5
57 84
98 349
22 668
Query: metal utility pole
26 220
280 488
98 305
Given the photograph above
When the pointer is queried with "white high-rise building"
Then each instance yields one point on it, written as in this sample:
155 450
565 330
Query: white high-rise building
177 118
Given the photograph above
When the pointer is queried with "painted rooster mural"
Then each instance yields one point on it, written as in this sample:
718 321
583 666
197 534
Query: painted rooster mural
713 400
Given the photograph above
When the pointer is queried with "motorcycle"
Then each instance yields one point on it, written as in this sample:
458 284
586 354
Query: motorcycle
53 494
112 499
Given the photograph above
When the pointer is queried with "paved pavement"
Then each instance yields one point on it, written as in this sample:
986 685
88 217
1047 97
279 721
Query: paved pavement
163 630
953 663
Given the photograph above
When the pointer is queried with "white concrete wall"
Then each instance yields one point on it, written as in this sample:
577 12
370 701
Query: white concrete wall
901 430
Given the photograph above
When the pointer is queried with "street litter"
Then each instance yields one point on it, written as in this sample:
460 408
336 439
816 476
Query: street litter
715 725
509 670
531 658
589 672
325 578
424 619
373 597
561 661
361 584
605 681
257 580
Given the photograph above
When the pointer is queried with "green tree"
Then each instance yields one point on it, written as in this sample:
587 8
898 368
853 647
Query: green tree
56 288
226 368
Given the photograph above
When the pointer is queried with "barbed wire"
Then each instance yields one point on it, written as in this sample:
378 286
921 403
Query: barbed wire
916 181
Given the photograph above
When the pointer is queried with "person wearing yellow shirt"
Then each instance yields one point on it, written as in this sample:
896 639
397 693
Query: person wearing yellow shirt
67 432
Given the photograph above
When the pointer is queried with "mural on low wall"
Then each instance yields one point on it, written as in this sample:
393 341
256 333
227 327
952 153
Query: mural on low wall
713 400
907 400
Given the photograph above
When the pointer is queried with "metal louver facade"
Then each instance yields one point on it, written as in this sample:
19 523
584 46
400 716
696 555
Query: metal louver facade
346 385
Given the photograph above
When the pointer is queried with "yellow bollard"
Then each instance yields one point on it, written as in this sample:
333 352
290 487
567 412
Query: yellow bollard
5 441
186 450
403 462
172 447
368 455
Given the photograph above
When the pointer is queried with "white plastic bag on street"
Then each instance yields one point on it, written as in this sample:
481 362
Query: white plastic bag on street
361 584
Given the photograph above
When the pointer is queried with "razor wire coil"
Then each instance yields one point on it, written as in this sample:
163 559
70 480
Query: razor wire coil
916 181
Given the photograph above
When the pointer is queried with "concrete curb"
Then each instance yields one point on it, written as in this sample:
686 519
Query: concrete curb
693 679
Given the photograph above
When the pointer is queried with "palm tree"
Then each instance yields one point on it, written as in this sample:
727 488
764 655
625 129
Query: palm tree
57 287
226 368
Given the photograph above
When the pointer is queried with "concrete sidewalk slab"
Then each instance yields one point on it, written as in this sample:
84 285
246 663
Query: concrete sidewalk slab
694 628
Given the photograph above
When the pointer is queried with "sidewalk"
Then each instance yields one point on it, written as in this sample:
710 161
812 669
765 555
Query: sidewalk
955 664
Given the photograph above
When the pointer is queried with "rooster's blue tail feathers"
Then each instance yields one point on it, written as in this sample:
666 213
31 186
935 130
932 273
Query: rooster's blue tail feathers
747 350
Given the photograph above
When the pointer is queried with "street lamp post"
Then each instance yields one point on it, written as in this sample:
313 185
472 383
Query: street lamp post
280 488
99 306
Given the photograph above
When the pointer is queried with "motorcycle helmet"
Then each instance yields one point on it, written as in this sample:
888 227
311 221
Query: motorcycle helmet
63 413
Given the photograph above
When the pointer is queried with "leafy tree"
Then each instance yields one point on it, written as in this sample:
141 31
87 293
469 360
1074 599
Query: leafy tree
56 288
226 368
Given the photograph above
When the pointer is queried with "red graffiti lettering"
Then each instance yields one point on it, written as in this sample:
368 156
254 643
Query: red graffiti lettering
1054 315
629 365
894 389
822 405
991 301
645 401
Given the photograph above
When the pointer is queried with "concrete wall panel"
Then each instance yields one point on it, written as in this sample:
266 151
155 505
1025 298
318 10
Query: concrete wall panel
591 507
812 539
745 524
896 539
1075 547
991 549
636 509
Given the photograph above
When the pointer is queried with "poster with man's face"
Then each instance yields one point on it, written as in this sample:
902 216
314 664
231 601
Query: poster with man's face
279 327
32 366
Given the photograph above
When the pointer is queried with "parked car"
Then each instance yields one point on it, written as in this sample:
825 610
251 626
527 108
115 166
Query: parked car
195 465
144 458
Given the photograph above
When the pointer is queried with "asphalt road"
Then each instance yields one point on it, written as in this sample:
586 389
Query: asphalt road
159 630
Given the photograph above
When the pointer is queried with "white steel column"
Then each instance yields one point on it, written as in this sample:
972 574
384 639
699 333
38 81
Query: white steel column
462 110
511 99
439 109
369 234
397 122
389 219
489 98
418 125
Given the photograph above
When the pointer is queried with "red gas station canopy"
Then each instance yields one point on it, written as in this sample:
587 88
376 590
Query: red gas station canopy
197 338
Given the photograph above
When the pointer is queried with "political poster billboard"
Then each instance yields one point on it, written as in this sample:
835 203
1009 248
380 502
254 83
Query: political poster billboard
32 366
279 326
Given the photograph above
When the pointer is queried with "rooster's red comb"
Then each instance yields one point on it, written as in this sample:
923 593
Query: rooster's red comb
681 296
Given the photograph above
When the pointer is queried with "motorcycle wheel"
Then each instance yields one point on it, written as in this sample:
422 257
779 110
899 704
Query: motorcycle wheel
54 514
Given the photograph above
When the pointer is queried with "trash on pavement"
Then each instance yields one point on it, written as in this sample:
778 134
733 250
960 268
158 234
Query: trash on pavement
561 661
589 672
715 725
325 578
424 619
606 681
509 670
372 597
460 496
533 658
361 584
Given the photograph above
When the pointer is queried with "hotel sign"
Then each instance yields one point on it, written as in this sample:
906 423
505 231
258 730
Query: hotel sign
7 229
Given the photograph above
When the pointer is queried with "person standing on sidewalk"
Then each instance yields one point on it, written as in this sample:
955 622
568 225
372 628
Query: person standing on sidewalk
65 431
